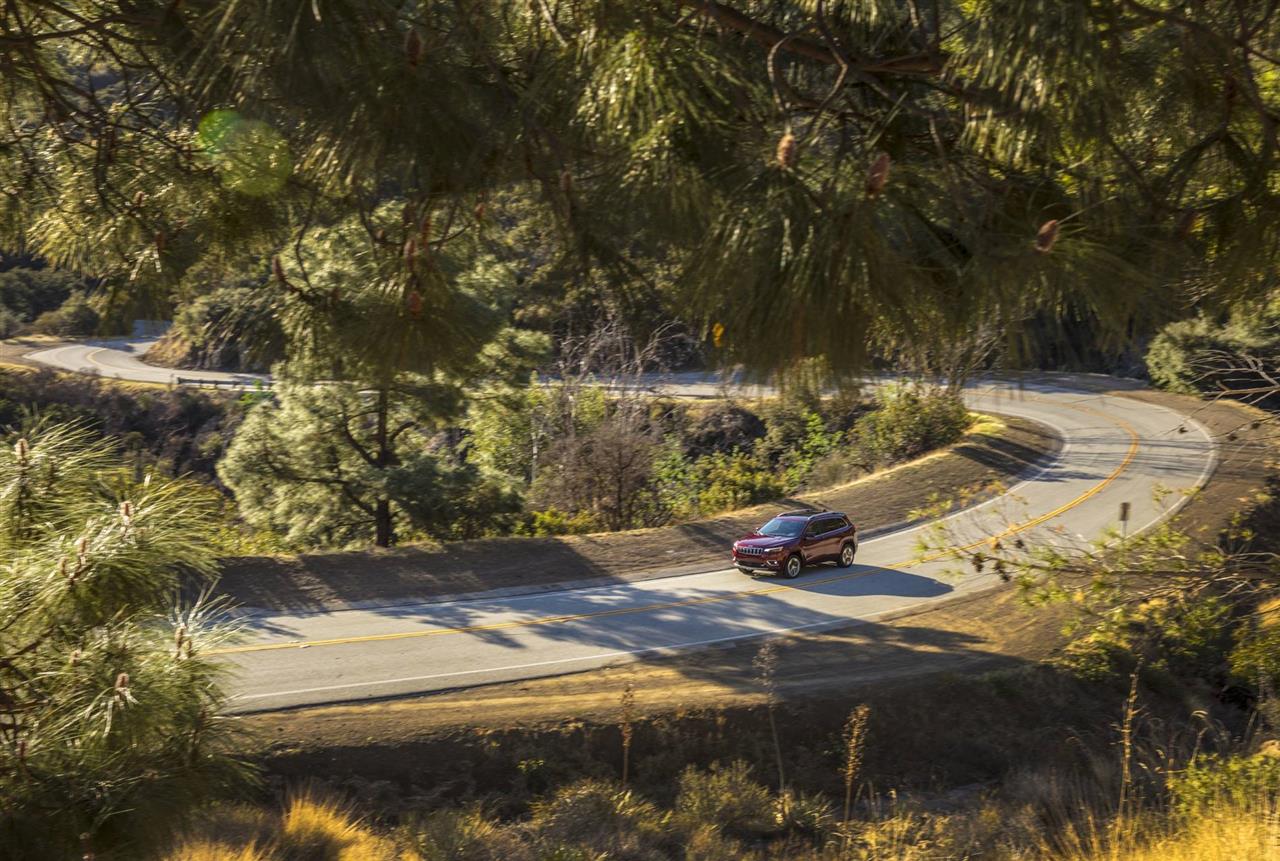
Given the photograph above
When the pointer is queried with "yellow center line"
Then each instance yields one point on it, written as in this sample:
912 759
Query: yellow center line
691 602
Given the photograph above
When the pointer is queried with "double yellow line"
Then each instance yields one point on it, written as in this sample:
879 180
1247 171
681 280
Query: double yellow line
691 602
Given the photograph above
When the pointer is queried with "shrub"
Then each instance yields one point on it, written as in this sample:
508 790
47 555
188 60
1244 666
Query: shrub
693 487
10 322
230 328
814 444
1210 780
28 293
511 431
311 828
1185 639
724 430
316 829
907 422
607 471
728 797
464 835
553 521
787 422
735 480
74 317
1200 355
181 430
603 818
1256 656
201 849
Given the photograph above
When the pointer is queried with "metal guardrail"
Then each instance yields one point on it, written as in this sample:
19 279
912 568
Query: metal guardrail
206 383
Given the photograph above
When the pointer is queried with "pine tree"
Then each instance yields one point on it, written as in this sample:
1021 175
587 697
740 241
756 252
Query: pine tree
829 176
110 722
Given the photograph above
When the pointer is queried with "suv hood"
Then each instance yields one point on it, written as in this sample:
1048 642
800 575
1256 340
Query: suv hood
755 539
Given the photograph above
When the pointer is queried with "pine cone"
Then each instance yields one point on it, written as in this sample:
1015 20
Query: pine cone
1046 236
413 47
878 175
786 154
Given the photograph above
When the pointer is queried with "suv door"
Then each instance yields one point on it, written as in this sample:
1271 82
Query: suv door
811 542
831 533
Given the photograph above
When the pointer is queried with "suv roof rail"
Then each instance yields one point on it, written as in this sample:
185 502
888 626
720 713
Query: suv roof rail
801 512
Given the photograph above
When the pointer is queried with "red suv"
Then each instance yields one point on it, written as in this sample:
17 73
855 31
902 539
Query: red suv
795 539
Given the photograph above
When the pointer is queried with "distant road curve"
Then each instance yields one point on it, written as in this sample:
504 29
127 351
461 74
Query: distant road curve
121 359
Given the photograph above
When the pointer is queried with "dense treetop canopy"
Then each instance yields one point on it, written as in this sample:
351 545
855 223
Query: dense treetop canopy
826 178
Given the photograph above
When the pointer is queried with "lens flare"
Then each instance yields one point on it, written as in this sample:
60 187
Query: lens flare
250 156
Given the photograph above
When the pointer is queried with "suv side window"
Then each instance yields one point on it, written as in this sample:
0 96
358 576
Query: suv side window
814 528
827 524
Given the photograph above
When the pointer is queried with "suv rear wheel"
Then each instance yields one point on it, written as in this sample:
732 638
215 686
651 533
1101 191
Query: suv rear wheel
847 553
791 568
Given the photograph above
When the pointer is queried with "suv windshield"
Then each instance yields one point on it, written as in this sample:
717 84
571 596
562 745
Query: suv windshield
785 527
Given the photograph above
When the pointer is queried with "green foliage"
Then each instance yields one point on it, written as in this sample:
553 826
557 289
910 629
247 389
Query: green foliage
552 521
112 725
693 487
1210 779
600 818
728 797
10 323
1186 639
28 293
907 422
580 450
231 328
816 443
382 341
463 835
1255 659
74 317
629 136
362 310
1199 355
511 430
319 463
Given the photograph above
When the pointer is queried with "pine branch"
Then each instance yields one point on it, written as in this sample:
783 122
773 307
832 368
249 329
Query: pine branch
927 63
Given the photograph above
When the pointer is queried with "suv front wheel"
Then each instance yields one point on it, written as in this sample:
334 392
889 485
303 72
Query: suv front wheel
791 568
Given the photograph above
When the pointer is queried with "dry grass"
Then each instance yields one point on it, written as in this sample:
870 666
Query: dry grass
1222 833
311 828
600 820
209 850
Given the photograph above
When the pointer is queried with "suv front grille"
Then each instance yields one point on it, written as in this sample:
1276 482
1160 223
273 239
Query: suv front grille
752 551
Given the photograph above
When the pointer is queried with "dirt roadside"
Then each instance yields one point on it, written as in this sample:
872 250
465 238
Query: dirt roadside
978 464
14 350
979 633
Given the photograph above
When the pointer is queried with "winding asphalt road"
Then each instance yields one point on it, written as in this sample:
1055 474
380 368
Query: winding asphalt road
121 359
1116 449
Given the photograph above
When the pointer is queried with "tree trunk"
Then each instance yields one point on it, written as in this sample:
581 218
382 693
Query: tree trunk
384 529
384 533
